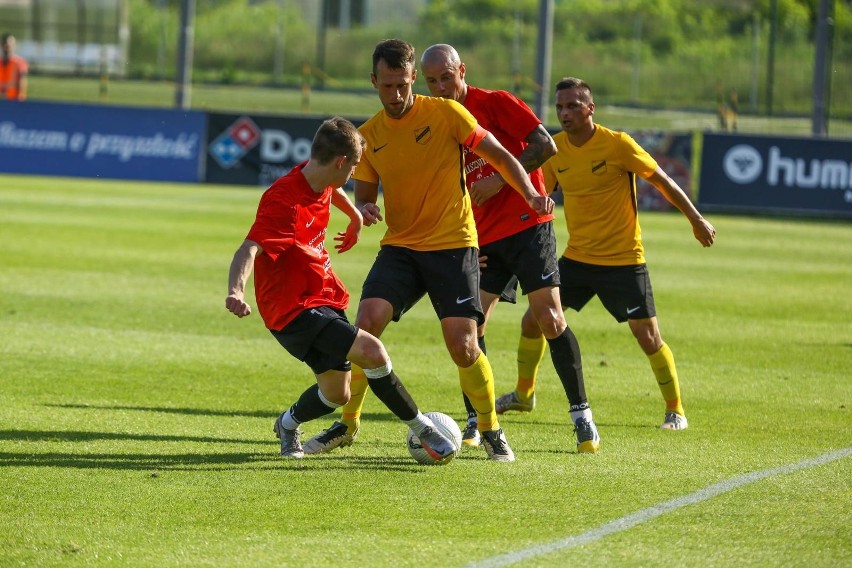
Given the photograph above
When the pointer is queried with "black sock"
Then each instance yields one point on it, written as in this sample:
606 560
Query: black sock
309 406
565 352
471 411
390 390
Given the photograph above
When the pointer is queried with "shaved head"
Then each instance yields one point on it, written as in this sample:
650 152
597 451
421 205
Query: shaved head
444 72
441 53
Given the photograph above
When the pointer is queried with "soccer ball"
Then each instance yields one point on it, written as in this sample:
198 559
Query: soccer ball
448 427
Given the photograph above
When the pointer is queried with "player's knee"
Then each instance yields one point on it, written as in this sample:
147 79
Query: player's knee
369 352
374 359
463 353
551 322
650 344
341 399
647 336
529 325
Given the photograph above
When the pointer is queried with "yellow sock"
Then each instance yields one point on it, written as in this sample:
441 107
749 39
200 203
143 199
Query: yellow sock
477 382
663 365
530 354
358 387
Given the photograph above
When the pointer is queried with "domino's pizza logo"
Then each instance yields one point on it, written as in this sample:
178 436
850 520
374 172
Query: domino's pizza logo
230 146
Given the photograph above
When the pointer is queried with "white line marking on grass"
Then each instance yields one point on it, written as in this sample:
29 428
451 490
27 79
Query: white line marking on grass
649 513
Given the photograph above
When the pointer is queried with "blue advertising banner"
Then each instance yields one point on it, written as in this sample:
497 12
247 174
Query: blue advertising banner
752 174
256 150
101 141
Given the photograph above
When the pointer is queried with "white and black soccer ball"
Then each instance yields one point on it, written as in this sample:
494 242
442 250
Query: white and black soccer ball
448 427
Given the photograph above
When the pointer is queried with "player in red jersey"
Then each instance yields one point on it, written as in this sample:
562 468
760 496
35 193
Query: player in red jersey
301 299
518 245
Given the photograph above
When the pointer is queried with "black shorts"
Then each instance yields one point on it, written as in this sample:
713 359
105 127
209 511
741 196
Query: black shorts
450 277
510 290
527 258
321 337
625 291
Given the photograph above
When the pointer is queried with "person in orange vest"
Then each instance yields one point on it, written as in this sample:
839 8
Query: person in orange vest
13 71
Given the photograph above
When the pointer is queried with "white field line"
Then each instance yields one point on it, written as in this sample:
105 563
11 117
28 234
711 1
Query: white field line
649 513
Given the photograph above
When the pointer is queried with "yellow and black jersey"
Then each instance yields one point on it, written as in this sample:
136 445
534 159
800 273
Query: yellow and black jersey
419 161
598 181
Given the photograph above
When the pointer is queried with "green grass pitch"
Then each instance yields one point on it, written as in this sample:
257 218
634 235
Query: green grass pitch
136 412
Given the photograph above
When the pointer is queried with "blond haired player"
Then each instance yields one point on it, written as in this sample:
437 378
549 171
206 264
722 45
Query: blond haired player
300 298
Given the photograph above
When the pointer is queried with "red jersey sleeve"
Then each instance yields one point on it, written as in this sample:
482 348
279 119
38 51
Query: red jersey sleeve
274 229
477 136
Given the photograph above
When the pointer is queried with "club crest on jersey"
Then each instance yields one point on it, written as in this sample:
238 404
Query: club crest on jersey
423 135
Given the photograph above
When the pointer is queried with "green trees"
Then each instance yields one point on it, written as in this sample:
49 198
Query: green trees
670 53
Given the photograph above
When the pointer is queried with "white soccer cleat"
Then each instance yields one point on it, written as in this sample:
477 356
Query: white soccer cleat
511 401
674 421
436 444
496 446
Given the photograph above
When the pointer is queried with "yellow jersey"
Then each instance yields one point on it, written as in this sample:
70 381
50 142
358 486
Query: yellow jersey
419 161
598 181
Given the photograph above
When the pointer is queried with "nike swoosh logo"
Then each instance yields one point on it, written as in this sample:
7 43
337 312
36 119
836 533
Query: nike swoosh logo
631 310
561 170
546 276
377 148
311 222
462 301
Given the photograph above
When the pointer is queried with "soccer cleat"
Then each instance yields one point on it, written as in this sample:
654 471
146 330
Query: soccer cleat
438 446
588 440
471 436
496 446
337 436
511 401
291 446
674 421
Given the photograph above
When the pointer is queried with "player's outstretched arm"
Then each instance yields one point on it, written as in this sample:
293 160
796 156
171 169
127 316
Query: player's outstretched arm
704 232
238 276
347 239
512 171
366 195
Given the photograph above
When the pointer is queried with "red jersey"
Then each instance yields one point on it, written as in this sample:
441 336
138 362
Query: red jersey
510 120
293 271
